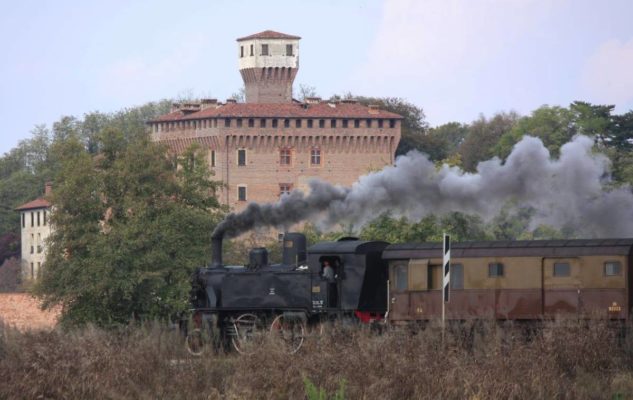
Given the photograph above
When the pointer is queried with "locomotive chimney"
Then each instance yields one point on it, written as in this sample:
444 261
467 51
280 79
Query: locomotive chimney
216 250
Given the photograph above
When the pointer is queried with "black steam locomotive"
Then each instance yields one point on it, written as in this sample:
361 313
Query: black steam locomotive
237 303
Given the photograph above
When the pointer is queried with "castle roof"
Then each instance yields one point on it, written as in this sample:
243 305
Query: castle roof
268 35
37 203
281 110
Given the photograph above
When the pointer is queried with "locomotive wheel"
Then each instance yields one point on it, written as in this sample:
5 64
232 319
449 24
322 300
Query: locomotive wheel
248 334
290 331
195 342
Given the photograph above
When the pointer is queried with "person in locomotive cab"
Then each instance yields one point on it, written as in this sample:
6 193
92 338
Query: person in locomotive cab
328 271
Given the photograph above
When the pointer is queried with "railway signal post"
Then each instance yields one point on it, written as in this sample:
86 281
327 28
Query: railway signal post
446 282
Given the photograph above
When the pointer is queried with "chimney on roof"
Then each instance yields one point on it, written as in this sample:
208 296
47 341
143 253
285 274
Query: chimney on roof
312 100
208 103
374 109
48 188
231 101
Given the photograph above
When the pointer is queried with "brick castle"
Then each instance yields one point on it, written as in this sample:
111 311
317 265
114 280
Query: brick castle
272 143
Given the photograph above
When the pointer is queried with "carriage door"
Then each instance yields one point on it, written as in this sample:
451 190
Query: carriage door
399 290
561 286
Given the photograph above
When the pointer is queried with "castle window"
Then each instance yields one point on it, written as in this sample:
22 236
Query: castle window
239 122
286 123
285 188
23 221
251 122
241 51
332 123
285 157
32 271
32 219
213 158
298 123
289 50
315 156
345 123
204 123
44 218
368 123
38 218
495 270
309 123
227 122
275 123
264 50
392 123
380 123
262 123
357 123
241 193
241 157
32 249
251 50
321 123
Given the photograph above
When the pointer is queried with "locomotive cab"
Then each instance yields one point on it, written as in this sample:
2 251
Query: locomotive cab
359 283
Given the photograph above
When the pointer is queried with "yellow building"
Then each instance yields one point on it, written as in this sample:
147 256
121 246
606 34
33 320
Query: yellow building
35 228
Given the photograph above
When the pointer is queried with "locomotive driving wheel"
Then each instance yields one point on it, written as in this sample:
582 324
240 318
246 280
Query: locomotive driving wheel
248 333
290 332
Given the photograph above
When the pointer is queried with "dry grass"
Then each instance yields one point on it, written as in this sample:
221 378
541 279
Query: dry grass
564 360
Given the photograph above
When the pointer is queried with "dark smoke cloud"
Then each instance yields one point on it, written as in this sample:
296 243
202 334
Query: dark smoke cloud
570 191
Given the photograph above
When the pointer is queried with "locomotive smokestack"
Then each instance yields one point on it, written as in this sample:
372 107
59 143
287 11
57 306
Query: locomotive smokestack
216 250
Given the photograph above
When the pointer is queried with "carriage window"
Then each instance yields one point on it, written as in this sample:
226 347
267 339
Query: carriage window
401 273
495 269
457 276
562 269
612 268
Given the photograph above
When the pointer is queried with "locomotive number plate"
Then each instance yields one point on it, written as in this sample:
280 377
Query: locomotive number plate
316 289
615 307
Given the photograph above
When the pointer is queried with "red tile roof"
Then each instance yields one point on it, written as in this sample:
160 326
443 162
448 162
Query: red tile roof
281 110
37 203
268 35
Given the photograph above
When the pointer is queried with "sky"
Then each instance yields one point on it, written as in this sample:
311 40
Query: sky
456 59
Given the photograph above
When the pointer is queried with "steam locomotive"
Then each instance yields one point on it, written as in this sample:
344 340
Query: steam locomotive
375 282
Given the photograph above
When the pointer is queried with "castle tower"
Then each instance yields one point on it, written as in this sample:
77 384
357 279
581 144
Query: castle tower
268 62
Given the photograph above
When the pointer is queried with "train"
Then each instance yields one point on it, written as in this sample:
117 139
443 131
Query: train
374 282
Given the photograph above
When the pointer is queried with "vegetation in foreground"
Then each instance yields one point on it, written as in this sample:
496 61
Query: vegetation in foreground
564 359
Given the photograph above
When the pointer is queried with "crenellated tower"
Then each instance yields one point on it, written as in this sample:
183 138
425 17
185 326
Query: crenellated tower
268 62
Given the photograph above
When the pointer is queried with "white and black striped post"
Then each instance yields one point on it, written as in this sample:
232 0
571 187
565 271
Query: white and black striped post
446 282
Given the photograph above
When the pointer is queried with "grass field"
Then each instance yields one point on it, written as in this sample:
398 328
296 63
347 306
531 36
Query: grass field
563 360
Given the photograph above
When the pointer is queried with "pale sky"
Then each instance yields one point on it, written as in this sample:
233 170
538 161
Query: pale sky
454 58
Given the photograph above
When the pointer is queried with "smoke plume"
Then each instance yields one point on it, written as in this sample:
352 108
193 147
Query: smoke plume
570 191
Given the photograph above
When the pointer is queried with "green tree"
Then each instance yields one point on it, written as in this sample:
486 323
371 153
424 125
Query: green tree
553 125
483 135
129 230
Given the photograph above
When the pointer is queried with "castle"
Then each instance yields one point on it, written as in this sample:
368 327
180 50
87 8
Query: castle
272 144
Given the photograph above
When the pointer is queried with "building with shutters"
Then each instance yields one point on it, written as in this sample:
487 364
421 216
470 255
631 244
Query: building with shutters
35 229
272 144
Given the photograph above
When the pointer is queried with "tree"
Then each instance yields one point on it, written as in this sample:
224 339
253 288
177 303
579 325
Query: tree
306 91
553 125
129 229
483 135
